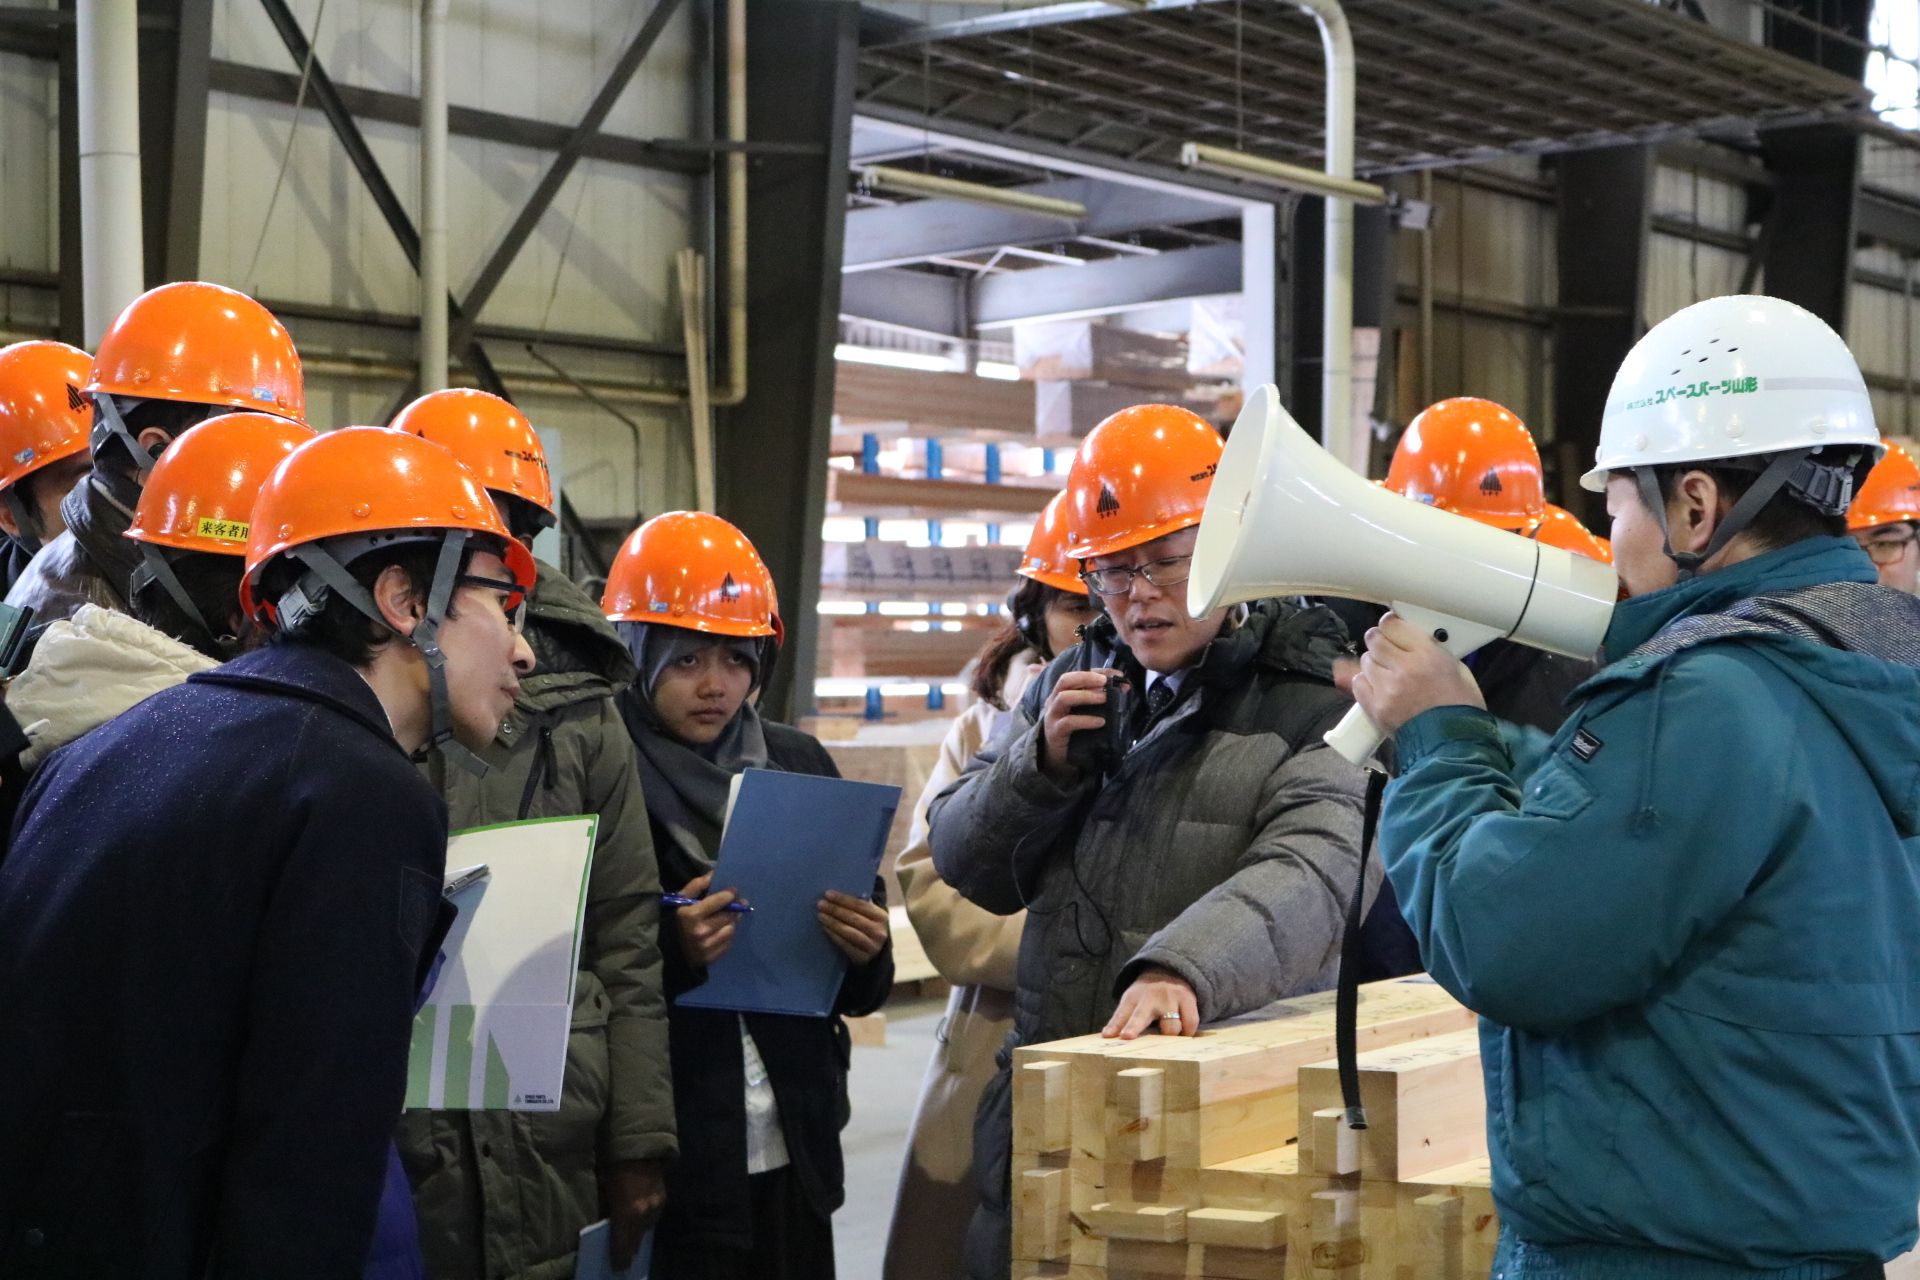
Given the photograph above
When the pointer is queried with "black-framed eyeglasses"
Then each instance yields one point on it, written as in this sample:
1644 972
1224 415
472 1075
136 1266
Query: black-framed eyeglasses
515 604
1117 581
1888 550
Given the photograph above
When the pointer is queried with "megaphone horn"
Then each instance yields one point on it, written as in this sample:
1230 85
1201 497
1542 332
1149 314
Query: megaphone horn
1285 518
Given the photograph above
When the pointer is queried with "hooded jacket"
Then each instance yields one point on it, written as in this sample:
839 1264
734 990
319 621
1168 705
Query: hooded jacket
92 562
214 922
1224 848
504 1194
89 668
1691 923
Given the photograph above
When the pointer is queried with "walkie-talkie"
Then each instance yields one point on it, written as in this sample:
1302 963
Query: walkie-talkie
1097 752
14 622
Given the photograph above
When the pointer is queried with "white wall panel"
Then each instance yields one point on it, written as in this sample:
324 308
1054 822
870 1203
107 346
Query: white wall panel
29 187
600 261
1682 272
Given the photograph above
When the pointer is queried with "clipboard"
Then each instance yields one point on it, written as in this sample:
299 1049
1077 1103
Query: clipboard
492 1035
789 838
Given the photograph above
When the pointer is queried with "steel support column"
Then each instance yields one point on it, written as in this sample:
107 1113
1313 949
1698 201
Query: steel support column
1605 200
1810 226
771 450
1376 236
1305 293
1809 231
73 306
175 56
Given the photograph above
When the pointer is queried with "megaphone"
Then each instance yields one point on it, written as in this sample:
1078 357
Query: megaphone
1285 518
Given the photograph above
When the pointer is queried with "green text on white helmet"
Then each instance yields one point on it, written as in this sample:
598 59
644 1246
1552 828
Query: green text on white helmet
1729 378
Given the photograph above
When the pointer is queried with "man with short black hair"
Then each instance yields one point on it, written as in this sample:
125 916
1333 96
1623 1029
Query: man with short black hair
219 909
1691 920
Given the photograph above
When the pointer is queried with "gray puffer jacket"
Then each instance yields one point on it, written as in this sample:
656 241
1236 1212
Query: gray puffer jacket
1223 847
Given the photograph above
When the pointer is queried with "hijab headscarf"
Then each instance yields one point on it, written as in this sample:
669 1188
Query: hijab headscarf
686 785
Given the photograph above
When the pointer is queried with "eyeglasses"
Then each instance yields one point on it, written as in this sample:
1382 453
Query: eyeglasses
1117 581
515 604
1889 550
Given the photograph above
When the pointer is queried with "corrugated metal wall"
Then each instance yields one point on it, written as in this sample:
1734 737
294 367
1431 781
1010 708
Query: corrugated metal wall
29 189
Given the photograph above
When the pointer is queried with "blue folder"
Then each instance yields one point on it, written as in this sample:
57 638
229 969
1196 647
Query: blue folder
790 838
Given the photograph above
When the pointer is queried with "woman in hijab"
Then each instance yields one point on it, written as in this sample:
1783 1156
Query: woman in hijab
760 1098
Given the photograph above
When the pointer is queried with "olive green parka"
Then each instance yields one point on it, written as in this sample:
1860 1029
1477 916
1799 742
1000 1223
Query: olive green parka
502 1195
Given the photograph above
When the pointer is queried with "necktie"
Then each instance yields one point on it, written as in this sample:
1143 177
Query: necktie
1159 698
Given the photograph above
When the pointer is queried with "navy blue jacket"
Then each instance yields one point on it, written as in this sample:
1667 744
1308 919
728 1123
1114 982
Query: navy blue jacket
214 917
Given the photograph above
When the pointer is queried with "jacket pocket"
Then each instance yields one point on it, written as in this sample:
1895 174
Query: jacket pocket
1516 1093
1556 790
573 1130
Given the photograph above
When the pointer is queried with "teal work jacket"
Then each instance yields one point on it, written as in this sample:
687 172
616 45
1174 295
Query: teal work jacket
1691 923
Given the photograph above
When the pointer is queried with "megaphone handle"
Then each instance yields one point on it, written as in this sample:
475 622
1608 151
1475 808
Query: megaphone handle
1356 737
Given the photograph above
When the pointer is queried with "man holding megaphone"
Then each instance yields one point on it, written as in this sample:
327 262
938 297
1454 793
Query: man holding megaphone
1160 801
1691 919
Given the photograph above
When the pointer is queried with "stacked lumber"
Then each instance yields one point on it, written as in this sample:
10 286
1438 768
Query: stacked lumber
1222 1155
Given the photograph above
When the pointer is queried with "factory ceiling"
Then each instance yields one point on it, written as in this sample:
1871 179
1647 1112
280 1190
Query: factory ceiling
1441 82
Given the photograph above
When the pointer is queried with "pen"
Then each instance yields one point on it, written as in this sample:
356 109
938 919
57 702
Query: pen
681 900
465 879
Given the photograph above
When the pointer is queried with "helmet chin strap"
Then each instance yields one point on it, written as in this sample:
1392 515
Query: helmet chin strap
23 519
154 567
325 573
109 425
1786 466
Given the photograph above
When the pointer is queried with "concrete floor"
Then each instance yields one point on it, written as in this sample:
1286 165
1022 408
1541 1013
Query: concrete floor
884 1085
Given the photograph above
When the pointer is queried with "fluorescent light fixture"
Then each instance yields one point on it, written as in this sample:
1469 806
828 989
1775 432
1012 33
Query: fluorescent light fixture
887 178
842 608
905 608
1238 164
994 369
898 359
832 687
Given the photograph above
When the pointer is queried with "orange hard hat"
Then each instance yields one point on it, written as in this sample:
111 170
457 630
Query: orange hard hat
693 570
200 494
490 436
1140 475
1891 493
202 343
1474 458
43 416
1046 559
1561 528
368 480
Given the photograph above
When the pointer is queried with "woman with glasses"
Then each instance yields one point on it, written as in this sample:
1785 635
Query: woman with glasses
1884 517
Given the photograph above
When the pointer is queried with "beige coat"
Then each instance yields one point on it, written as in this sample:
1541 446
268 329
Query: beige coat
89 668
977 952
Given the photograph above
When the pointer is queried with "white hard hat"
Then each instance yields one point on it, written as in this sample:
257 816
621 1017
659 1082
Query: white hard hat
1729 378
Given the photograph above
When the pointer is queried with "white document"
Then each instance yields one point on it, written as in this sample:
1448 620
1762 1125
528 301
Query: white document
493 1034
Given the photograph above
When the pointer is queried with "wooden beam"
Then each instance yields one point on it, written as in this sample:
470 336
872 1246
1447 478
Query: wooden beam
857 489
1426 1109
933 402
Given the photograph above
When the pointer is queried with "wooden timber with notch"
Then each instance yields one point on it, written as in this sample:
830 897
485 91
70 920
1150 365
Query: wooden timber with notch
1141 1125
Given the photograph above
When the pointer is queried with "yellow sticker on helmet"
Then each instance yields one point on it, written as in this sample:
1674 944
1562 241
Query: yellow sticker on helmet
225 530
